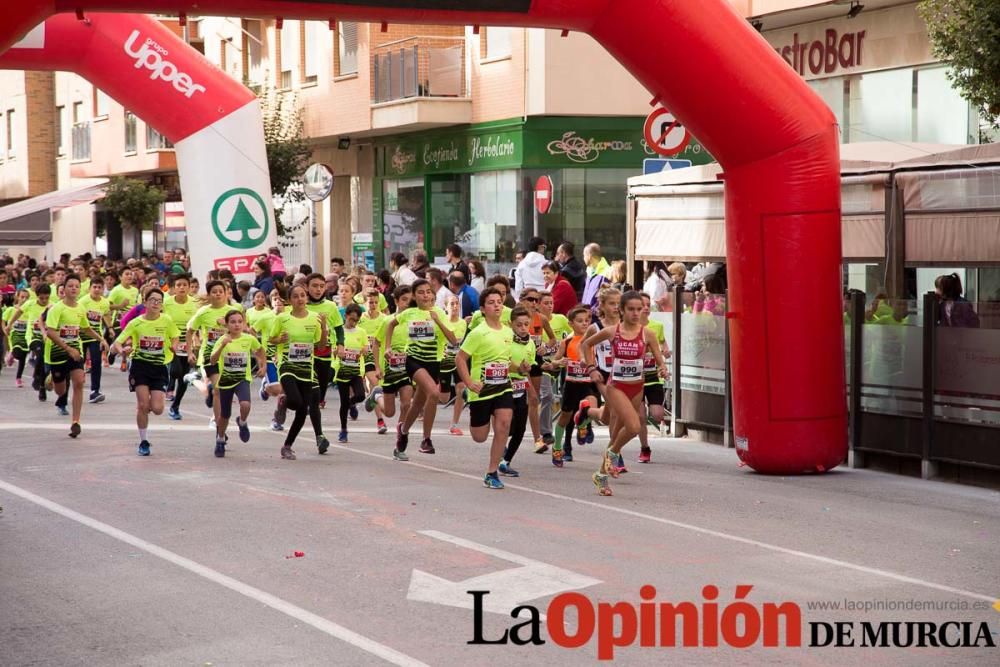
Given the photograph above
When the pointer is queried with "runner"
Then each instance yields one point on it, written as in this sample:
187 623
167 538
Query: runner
64 349
298 333
451 386
609 315
270 384
350 383
153 341
180 307
521 362
489 388
502 285
231 355
579 386
99 315
394 376
424 351
35 310
652 392
538 328
372 321
550 378
16 332
123 297
203 330
316 285
629 341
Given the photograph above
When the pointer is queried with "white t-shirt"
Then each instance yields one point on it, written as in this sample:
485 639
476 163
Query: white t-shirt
655 287
441 301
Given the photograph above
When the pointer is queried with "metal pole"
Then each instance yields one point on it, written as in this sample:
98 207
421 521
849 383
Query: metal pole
675 380
857 303
928 469
312 239
727 414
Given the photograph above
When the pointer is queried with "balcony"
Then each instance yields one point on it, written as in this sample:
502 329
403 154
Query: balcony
420 82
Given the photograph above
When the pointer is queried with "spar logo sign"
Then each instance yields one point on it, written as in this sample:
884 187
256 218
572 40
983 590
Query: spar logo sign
239 218
153 57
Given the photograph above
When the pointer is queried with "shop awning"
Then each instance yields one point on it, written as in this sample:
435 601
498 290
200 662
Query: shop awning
29 222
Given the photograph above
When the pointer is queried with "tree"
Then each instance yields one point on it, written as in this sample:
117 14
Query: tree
287 151
966 34
133 203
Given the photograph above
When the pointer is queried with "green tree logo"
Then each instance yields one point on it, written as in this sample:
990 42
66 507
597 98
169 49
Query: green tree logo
239 223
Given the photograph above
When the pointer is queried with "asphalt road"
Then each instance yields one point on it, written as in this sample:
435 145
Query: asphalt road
185 559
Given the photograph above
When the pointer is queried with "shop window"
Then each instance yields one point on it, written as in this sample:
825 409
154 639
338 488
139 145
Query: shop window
494 232
881 106
942 115
347 49
402 216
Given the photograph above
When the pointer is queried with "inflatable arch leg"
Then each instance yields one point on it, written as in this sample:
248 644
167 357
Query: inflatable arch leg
776 140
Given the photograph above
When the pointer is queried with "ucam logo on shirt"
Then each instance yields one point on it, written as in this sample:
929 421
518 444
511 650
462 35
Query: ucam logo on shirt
152 56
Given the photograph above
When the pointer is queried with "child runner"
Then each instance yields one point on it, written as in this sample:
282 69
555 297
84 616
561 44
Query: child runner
394 377
123 297
579 386
64 349
350 384
371 322
318 304
549 381
629 341
522 358
537 328
153 340
16 331
298 333
609 315
489 388
231 355
180 307
269 384
99 315
652 392
424 351
451 386
36 308
203 331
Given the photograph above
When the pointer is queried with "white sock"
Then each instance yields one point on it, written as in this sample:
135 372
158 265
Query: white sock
142 434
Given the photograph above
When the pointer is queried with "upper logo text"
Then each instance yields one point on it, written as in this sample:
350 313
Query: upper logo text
152 56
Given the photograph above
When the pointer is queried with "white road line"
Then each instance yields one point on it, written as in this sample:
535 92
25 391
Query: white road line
329 627
885 574
481 548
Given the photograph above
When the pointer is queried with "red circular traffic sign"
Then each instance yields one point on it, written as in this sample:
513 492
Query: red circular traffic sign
664 133
544 193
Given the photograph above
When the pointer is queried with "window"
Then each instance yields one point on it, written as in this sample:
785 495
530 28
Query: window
130 138
347 48
60 131
10 133
288 53
497 43
311 40
101 104
252 48
77 112
156 141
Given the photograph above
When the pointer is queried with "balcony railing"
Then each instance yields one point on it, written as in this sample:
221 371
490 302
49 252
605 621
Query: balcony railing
81 140
419 67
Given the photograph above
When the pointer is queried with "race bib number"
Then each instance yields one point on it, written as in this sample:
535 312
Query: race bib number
236 362
94 318
421 331
576 371
397 362
351 358
69 333
151 345
20 326
495 373
627 370
520 387
300 351
215 334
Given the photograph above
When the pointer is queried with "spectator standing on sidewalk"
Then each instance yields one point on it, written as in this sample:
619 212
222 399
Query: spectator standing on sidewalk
571 267
529 271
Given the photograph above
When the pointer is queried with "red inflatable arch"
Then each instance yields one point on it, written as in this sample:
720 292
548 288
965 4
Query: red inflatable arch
775 139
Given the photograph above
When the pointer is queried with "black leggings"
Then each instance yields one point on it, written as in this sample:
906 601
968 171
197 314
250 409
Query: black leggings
38 347
179 367
92 349
21 356
324 376
517 424
351 391
302 398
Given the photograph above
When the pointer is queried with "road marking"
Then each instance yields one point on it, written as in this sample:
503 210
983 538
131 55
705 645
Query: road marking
886 574
323 625
508 588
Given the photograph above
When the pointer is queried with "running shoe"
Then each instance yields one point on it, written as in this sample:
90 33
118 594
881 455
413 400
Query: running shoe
263 389
541 446
557 458
210 399
372 399
567 456
342 437
220 448
124 366
191 377
492 481
611 463
276 425
143 448
322 444
382 427
580 418
353 413
174 414
169 397
601 482
426 446
322 405
244 430
96 397
402 439
18 383
287 453
590 434
61 409
400 456
454 430
74 430
621 464
645 455
35 384
111 356
506 470
548 439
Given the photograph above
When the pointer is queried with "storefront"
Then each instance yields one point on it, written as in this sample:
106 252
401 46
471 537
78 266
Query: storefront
475 186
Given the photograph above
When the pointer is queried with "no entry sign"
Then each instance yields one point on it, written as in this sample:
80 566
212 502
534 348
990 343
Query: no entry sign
543 194
664 133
